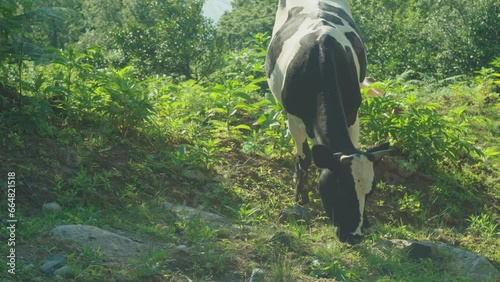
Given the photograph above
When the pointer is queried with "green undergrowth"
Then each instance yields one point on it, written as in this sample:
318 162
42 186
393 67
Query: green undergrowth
110 146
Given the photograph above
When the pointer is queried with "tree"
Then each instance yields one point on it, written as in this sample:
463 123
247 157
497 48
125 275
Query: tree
21 35
438 38
247 18
58 22
101 18
168 37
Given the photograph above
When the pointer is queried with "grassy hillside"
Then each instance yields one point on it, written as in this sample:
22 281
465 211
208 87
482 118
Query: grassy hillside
110 147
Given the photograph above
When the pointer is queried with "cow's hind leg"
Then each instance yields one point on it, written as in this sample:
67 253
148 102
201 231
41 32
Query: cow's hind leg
304 158
301 174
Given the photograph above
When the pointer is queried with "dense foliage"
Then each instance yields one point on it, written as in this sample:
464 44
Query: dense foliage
158 37
437 38
429 37
246 19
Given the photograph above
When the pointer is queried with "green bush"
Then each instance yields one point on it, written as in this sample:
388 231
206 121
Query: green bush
128 106
419 132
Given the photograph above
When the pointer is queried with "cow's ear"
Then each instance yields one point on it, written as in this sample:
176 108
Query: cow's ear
322 157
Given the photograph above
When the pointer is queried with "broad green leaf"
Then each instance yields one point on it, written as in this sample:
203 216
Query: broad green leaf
243 126
244 96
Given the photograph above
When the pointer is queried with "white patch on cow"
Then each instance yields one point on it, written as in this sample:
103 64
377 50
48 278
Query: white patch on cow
354 132
282 12
297 128
363 175
290 48
308 26
339 34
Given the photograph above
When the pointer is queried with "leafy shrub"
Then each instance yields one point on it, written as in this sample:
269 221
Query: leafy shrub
75 75
420 132
129 105
482 225
489 80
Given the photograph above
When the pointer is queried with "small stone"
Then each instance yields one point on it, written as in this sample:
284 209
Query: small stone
222 179
210 219
448 219
63 271
296 213
111 245
420 251
194 174
257 275
29 267
51 208
393 178
405 172
461 262
283 239
52 263
167 206
182 248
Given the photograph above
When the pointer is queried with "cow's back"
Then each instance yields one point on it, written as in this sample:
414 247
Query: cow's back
316 51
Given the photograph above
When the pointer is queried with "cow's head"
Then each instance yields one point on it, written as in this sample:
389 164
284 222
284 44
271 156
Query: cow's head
345 181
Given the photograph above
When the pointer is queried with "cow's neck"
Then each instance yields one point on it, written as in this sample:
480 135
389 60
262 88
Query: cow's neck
331 125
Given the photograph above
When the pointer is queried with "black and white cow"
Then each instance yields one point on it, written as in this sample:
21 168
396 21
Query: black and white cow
315 63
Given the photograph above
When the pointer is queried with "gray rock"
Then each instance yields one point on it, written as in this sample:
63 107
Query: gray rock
51 208
405 171
295 213
421 251
451 259
63 271
283 239
52 263
112 245
194 174
210 219
29 267
222 179
258 275
393 178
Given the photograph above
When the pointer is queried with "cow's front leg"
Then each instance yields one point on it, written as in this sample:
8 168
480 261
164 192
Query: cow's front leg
301 174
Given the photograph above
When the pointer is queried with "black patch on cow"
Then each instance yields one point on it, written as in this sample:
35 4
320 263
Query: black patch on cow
303 81
322 67
341 12
348 84
359 49
333 19
288 29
